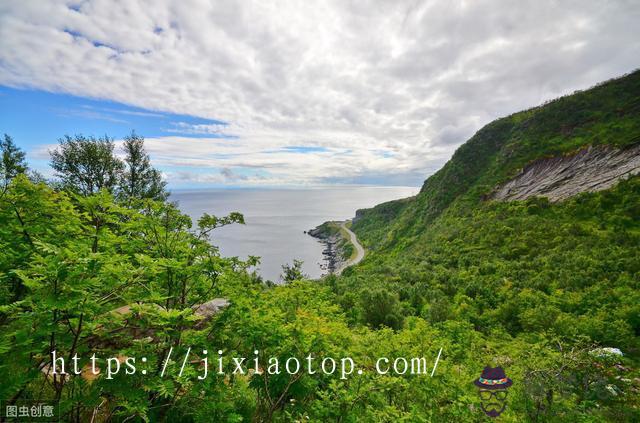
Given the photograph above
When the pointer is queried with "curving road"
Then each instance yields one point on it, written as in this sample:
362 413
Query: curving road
359 249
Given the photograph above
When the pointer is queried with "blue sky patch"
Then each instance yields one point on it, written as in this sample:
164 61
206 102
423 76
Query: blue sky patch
304 149
34 118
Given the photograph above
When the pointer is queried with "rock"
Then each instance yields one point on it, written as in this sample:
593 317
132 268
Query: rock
606 352
316 233
359 214
126 309
47 371
210 308
331 253
558 178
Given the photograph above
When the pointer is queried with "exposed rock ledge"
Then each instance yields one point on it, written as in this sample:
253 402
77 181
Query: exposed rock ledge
332 240
558 178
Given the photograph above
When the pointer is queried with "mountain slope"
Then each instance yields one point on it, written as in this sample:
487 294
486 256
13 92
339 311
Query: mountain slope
532 285
608 115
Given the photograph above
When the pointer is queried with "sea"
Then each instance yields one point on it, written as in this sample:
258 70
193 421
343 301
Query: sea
276 220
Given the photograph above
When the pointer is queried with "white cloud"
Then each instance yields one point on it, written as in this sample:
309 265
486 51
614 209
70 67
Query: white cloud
410 78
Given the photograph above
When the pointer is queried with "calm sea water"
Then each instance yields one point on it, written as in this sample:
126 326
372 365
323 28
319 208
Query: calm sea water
277 218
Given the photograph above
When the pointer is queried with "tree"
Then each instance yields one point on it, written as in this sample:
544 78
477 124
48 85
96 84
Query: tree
68 268
13 162
293 272
381 308
87 164
140 179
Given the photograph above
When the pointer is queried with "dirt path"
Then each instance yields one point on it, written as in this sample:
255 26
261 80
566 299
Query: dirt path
359 249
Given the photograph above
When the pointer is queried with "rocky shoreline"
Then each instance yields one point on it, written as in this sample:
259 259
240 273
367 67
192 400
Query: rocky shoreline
332 254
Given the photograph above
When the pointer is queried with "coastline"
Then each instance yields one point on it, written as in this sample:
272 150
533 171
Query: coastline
342 248
332 254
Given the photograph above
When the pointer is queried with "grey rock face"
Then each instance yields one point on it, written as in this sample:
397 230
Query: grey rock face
211 307
558 178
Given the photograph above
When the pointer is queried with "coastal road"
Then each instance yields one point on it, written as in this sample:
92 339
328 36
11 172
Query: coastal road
359 249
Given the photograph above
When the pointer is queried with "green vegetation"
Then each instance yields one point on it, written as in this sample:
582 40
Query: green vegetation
605 115
13 160
343 245
139 179
86 165
526 270
328 229
531 286
348 249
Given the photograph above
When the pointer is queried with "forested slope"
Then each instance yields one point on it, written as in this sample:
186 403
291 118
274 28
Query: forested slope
608 114
549 277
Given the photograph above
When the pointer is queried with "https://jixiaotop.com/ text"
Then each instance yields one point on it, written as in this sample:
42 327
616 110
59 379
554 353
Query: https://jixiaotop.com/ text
202 364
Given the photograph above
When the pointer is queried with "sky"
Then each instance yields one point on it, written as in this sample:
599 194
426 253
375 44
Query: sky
296 93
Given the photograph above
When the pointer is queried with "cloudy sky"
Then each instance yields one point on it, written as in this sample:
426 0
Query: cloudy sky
295 93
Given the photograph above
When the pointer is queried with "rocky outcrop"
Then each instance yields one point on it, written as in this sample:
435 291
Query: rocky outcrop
209 309
558 178
132 316
332 255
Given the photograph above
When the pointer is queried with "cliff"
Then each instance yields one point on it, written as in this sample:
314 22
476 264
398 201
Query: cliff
558 178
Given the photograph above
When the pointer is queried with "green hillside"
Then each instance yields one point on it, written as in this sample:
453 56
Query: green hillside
553 277
608 114
535 287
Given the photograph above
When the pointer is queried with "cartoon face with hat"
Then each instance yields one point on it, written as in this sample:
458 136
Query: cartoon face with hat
493 384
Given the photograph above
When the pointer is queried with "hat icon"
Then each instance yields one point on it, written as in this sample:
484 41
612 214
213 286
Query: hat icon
493 378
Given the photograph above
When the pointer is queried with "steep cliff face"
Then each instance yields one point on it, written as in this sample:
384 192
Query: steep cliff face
558 178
